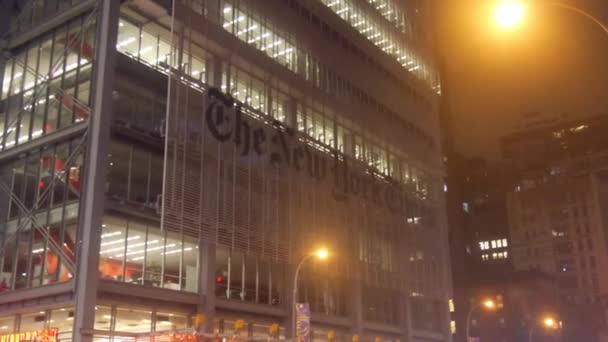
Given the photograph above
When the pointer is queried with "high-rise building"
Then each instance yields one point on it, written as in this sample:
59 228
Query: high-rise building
557 215
163 160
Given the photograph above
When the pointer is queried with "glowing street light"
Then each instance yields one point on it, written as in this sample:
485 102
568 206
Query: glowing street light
321 254
548 322
488 304
510 14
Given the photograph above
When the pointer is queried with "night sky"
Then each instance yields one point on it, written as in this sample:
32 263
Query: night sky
557 62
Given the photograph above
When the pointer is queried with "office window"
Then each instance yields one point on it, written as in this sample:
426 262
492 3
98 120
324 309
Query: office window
379 306
133 320
34 321
135 173
50 181
7 325
46 86
63 320
139 253
251 30
239 276
170 321
103 317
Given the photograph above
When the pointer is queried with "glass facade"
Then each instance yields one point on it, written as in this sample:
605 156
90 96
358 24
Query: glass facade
327 295
243 277
135 173
139 319
384 36
139 253
59 318
37 11
46 85
260 32
330 130
41 250
46 89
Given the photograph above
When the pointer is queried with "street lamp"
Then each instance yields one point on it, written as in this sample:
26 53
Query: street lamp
321 254
509 14
548 323
487 304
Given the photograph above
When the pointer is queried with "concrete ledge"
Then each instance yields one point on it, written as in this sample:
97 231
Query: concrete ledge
238 306
148 292
382 327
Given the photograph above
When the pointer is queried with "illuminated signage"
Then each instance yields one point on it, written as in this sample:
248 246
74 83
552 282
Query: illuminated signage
46 335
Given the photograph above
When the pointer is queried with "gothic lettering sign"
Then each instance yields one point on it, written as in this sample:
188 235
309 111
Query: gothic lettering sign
227 122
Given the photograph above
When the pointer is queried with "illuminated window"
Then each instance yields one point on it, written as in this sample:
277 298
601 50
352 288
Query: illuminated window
385 39
453 327
493 243
504 243
451 305
142 254
499 243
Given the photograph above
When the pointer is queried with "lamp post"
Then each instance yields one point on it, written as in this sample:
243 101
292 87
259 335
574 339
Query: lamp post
549 323
510 13
320 254
488 304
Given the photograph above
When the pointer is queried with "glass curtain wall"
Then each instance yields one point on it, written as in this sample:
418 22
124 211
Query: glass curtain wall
239 276
237 19
46 85
122 318
325 128
139 252
135 173
57 318
37 11
319 122
47 181
387 39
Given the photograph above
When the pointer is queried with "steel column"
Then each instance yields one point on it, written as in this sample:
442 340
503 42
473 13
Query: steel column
206 281
93 194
